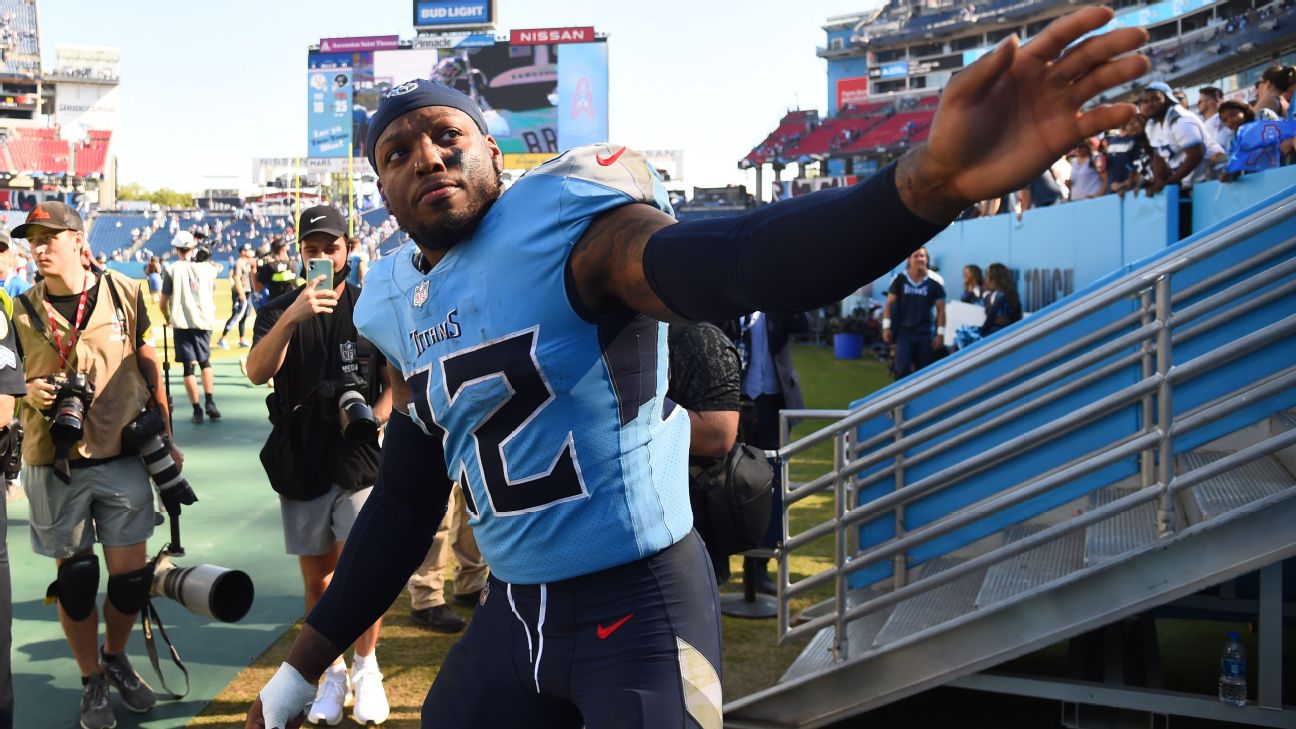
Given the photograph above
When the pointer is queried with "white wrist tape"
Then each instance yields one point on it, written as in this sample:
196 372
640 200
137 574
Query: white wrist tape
287 696
886 323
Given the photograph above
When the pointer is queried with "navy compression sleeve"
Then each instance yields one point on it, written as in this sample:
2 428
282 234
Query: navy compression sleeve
792 256
390 537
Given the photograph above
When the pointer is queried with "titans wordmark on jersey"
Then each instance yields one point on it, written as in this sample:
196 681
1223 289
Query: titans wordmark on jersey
572 458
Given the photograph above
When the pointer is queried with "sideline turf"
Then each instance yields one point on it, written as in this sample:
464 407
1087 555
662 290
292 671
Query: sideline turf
235 524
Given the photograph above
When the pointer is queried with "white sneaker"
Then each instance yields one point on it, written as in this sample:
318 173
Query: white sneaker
222 343
333 692
370 698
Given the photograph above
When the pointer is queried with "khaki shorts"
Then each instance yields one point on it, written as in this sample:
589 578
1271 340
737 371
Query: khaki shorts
111 503
316 526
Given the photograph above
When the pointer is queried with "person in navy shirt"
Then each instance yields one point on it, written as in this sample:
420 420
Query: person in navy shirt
525 326
912 298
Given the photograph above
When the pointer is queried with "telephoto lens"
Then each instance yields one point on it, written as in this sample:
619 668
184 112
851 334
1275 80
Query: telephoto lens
144 436
356 417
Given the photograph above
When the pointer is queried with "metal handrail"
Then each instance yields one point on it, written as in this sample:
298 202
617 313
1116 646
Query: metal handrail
1152 341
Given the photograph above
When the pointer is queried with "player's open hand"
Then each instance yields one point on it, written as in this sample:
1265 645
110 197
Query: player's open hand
312 301
1015 111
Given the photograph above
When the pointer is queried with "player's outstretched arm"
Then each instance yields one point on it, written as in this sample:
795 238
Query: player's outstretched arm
1001 122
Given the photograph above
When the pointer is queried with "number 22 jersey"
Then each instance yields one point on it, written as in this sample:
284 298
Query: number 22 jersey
557 428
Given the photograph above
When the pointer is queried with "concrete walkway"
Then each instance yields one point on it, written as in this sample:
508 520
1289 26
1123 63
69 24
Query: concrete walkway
235 524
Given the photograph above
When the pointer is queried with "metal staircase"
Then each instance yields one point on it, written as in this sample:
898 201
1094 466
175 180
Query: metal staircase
1125 448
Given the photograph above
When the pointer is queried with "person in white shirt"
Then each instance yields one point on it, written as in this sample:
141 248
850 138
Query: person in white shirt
1179 138
1208 101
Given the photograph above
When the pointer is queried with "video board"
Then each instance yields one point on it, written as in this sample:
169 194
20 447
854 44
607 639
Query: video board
536 99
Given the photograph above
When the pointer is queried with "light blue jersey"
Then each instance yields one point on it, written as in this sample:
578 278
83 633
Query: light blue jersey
573 459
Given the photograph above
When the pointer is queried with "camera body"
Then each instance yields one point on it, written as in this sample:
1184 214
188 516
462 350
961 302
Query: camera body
72 396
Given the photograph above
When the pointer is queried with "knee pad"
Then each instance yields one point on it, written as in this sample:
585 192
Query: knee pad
204 365
129 591
76 586
188 369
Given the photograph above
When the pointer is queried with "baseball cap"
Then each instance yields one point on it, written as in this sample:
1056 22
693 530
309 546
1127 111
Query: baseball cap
247 246
50 214
417 94
183 240
1161 86
321 219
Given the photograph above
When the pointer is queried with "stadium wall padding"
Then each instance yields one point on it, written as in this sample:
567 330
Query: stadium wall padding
1077 229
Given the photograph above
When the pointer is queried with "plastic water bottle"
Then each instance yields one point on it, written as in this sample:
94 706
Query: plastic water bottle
1232 678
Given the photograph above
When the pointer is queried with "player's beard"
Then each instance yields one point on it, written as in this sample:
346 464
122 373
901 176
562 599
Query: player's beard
482 186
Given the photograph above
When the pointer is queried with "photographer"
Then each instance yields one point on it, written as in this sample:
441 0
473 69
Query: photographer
306 340
189 306
83 343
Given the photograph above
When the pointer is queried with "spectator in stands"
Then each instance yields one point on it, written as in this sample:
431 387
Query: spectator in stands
1088 171
188 306
1043 191
1181 97
1208 101
10 280
240 295
1178 138
912 297
972 281
153 271
1003 306
1233 114
1273 92
1128 157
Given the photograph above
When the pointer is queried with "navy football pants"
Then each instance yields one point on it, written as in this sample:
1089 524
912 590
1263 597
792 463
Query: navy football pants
635 646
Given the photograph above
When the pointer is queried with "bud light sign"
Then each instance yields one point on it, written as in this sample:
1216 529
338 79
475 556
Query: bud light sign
454 14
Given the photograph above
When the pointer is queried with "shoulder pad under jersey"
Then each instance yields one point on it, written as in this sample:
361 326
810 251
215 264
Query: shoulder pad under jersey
613 166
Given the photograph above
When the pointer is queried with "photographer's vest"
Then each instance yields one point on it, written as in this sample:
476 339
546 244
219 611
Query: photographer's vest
192 285
105 352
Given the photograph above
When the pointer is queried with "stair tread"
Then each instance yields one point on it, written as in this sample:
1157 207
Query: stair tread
1238 487
1286 419
1120 533
1026 571
860 634
934 606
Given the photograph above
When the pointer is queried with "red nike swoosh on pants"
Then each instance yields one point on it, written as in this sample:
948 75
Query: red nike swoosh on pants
603 632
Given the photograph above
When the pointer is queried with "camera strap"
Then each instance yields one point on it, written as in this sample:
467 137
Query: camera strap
148 615
52 334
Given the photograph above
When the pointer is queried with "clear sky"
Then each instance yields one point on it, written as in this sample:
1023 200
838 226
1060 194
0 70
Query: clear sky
208 86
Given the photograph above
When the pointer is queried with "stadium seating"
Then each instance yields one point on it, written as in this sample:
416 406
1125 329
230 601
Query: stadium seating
111 231
40 151
902 128
19 39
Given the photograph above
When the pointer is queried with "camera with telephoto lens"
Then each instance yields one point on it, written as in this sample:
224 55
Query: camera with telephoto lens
144 436
72 396
355 417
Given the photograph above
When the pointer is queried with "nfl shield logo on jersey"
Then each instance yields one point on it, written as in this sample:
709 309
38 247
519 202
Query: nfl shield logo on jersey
421 293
